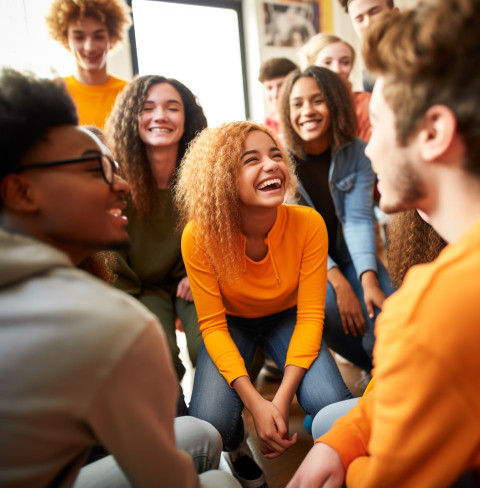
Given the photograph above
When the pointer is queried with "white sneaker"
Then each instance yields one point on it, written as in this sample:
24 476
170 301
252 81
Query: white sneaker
244 467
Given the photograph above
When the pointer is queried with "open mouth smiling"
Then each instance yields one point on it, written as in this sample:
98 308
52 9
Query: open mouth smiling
271 184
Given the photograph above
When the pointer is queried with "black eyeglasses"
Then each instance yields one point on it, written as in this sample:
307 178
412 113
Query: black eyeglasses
107 165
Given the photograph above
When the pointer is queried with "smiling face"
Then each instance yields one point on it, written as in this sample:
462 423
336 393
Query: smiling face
309 115
338 58
263 176
400 184
89 42
363 11
77 211
162 119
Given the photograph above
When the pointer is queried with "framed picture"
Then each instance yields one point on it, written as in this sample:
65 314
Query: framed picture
292 23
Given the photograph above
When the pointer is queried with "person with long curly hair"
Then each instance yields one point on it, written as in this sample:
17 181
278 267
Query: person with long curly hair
336 178
151 125
89 29
258 272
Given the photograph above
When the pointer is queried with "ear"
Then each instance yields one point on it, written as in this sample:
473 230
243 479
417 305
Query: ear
17 193
438 132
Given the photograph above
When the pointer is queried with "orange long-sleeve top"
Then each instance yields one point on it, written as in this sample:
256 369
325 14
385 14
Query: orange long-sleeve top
419 426
294 272
94 102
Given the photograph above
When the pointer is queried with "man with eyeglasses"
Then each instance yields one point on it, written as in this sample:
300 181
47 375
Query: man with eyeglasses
81 363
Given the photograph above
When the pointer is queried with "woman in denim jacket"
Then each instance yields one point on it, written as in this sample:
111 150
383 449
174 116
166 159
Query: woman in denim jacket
319 125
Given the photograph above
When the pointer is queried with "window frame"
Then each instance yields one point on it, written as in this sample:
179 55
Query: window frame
235 5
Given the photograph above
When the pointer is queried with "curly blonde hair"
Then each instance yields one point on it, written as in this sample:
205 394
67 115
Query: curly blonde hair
206 192
115 14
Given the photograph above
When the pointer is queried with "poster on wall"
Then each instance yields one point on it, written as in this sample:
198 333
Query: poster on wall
291 23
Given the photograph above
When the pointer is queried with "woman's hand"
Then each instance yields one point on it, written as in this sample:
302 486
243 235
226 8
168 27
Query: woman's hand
372 293
349 306
272 430
184 291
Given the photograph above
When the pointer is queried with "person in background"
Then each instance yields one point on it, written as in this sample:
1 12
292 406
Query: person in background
319 126
361 13
89 29
331 52
81 363
271 75
258 271
419 425
151 125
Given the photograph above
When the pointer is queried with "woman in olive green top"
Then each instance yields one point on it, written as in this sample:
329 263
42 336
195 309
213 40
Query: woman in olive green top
152 123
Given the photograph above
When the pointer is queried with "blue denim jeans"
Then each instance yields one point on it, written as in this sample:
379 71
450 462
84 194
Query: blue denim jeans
358 349
214 401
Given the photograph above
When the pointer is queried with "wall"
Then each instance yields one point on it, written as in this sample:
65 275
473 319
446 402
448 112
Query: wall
257 52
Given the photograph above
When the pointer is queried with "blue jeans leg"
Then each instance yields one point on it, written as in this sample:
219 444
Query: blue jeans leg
212 398
322 384
214 401
358 350
324 419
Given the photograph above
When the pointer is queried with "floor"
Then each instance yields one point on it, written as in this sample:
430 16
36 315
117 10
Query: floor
278 472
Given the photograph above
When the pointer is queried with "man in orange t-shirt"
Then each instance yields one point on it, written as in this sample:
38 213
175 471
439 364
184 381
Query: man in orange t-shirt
89 30
419 426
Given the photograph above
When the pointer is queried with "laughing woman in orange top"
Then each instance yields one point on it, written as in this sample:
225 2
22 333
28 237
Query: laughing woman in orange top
258 274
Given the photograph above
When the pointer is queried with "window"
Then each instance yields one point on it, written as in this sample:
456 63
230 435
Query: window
198 44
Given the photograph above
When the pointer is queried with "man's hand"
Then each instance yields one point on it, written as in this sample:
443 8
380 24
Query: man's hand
322 468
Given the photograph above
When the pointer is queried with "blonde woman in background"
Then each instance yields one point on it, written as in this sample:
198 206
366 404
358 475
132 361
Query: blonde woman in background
329 51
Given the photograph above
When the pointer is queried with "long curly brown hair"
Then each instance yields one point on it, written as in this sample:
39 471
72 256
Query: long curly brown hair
410 241
206 192
115 14
124 141
339 100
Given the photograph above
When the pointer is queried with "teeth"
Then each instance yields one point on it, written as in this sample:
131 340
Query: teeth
310 124
275 181
116 212
158 129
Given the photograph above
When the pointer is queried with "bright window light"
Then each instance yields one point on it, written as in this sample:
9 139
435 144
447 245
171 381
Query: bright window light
197 45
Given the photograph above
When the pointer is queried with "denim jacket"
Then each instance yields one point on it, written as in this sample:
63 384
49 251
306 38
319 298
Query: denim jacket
351 181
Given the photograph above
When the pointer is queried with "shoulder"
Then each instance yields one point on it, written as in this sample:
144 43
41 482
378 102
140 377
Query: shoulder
70 81
94 306
189 236
362 97
300 216
118 83
352 154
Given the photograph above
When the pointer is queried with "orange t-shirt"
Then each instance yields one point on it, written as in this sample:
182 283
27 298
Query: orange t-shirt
94 102
419 426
